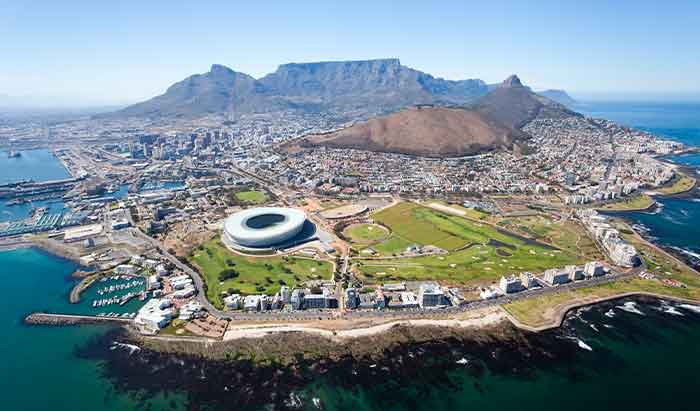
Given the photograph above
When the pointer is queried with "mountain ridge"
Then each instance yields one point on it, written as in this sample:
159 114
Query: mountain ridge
371 86
492 122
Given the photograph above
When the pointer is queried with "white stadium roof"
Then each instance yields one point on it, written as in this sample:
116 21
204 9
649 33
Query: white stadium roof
263 226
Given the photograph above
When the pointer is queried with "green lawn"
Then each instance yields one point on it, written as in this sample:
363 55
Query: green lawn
681 183
478 252
366 233
638 202
255 274
566 235
251 196
540 310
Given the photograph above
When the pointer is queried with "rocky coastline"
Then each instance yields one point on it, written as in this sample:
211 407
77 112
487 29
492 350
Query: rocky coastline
266 372
273 372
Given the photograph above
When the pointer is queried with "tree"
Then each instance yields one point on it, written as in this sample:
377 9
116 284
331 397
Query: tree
228 274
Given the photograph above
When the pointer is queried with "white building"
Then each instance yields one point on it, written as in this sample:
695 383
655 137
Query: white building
575 273
528 280
186 292
234 301
161 271
555 276
285 294
488 294
409 299
430 295
511 284
125 269
190 310
154 315
251 303
593 269
180 282
152 283
623 254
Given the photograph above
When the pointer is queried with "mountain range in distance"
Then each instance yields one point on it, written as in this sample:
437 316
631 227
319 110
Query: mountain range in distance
361 88
492 122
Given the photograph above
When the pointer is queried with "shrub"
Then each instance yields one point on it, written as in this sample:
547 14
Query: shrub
228 274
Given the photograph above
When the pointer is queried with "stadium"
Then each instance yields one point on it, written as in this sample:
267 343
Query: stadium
266 227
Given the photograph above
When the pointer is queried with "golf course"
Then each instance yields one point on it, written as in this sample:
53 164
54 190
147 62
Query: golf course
476 252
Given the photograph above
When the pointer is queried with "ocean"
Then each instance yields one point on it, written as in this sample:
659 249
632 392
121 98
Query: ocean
674 223
40 370
607 357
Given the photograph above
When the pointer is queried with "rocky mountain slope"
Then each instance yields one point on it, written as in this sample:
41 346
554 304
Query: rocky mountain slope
492 122
373 86
560 96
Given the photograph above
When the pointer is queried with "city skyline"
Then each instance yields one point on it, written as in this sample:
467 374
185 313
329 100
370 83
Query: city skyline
81 53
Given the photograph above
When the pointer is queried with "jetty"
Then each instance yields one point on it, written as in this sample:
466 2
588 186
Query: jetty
68 319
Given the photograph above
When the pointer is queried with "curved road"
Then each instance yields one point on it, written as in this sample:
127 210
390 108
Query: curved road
329 314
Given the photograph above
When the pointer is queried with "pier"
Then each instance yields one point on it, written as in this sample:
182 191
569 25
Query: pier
68 319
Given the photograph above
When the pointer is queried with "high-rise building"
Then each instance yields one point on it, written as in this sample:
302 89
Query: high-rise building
351 298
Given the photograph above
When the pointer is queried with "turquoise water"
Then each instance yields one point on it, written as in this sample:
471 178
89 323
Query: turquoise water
39 368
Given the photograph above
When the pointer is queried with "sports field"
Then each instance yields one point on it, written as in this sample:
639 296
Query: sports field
254 275
478 253
366 233
251 196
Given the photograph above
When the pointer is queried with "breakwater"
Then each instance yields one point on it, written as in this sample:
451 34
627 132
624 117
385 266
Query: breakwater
66 319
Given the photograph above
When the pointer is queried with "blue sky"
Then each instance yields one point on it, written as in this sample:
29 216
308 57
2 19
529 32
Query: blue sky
111 52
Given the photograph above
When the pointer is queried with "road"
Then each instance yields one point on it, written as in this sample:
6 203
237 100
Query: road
196 278
329 314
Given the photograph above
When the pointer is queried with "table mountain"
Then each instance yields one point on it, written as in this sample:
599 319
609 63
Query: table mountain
373 86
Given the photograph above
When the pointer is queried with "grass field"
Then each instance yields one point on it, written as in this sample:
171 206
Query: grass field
478 252
681 184
251 196
638 202
256 274
366 233
566 235
541 310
